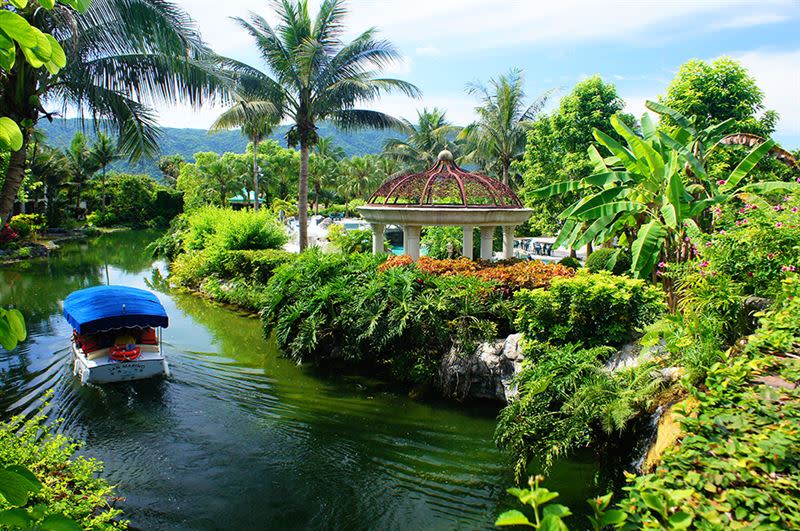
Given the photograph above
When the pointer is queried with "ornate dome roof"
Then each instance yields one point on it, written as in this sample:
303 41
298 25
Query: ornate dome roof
445 185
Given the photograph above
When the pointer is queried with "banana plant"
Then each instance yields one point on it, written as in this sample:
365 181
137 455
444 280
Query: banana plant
653 190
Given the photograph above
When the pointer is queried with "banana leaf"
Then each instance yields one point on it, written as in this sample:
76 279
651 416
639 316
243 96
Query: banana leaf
746 165
647 247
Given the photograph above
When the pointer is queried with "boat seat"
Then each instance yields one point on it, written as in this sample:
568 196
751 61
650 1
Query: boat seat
87 343
148 337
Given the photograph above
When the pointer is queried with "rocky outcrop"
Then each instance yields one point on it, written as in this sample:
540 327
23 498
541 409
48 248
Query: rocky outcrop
486 373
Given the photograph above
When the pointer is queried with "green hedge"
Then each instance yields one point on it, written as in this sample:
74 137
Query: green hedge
590 309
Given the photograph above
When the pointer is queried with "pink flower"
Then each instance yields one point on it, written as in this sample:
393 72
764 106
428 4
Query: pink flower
722 182
750 274
723 232
779 225
662 265
709 244
798 179
788 268
704 263
778 208
770 256
795 210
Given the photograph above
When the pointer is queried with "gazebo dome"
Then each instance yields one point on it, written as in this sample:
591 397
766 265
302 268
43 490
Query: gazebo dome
445 185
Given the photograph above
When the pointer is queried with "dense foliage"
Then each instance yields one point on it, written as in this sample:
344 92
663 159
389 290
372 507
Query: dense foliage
69 486
327 307
592 309
135 201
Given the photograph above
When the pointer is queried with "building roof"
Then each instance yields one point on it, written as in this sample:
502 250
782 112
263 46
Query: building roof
445 185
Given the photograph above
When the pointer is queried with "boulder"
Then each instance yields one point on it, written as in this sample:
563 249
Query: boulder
486 373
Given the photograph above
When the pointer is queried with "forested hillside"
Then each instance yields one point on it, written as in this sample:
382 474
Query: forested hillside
187 142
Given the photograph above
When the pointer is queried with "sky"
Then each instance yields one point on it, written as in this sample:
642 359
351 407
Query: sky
637 45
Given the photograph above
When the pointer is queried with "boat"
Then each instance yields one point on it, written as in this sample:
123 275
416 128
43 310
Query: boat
116 334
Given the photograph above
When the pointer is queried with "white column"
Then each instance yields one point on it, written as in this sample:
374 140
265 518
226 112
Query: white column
377 237
467 242
487 235
411 235
508 242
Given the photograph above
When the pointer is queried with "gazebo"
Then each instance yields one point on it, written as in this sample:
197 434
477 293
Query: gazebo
445 195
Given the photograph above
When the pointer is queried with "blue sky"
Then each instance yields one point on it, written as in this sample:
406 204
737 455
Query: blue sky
638 45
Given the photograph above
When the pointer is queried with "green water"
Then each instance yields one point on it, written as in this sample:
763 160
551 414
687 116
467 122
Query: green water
241 438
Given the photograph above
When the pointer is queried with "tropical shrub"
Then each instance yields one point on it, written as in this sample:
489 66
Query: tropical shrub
444 242
655 192
332 306
510 275
760 267
349 241
256 266
569 261
737 464
221 229
567 400
27 225
135 201
618 261
779 331
591 309
69 488
8 235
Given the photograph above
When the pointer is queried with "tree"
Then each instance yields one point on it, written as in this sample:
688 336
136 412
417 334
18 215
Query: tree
719 91
121 56
497 138
316 76
170 166
653 192
52 167
425 140
557 145
255 115
360 177
82 165
103 153
324 169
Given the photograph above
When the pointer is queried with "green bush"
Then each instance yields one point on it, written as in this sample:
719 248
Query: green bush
27 225
591 309
437 239
569 261
253 265
566 400
618 261
334 306
243 230
69 484
349 241
135 201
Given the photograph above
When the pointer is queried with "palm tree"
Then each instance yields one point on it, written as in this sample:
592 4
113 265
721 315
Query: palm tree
51 166
103 153
316 76
498 137
123 56
81 164
325 168
360 177
255 115
419 150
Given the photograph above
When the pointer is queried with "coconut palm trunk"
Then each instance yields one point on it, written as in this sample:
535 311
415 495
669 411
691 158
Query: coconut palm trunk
14 176
302 202
256 142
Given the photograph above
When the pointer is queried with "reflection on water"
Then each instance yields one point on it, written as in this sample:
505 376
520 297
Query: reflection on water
241 438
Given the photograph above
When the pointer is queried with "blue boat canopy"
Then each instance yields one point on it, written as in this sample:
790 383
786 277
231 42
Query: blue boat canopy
108 307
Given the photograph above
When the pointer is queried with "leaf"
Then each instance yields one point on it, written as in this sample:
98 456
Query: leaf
15 518
596 159
614 517
593 201
593 230
512 517
610 209
747 164
556 509
552 523
646 249
17 28
647 156
543 496
57 522
557 188
654 501
17 323
10 134
8 339
677 117
15 487
568 232
648 128
610 177
680 520
48 4
57 55
625 156
769 186
686 153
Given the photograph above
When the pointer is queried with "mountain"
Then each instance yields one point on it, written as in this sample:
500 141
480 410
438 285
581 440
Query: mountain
187 142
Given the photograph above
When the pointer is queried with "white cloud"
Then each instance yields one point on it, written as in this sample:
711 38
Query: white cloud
750 20
778 75
428 50
399 68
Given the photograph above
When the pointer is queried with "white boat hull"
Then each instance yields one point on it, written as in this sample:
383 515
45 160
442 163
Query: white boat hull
100 369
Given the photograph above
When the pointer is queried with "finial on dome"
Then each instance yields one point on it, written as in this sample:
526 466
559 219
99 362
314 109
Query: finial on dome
446 155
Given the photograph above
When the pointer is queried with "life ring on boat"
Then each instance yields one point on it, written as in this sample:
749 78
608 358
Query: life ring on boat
123 353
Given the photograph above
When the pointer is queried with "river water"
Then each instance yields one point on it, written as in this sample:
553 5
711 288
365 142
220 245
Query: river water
241 438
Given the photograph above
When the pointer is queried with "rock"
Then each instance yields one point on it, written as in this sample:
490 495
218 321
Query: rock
632 355
486 373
